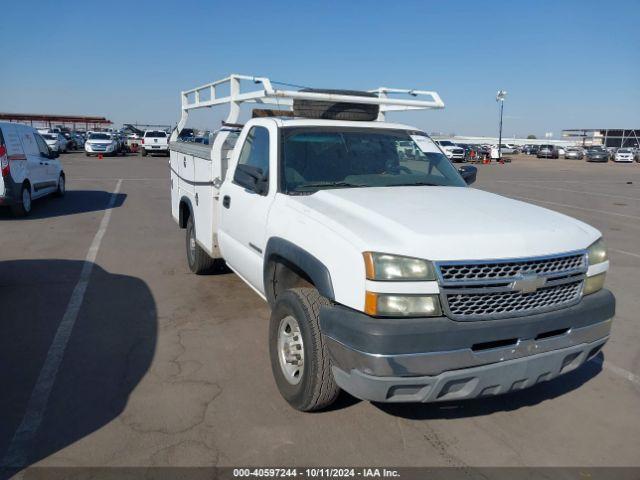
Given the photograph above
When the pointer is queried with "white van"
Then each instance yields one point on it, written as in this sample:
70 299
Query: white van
30 169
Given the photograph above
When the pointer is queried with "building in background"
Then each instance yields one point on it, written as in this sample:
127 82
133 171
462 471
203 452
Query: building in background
608 137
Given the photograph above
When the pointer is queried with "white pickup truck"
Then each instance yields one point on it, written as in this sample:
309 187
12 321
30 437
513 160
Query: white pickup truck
387 275
154 141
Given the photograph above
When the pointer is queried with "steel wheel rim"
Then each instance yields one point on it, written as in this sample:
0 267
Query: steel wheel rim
192 246
290 350
26 200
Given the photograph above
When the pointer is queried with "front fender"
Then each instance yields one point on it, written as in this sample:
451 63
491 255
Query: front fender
318 273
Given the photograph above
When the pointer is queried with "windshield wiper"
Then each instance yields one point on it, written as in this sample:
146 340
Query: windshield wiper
415 184
340 184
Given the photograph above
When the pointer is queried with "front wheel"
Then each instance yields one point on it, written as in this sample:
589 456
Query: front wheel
299 358
62 188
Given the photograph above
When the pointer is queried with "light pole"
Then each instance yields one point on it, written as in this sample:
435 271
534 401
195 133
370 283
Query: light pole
500 96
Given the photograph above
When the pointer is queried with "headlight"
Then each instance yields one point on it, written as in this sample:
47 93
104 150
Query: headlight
382 266
594 283
597 252
392 305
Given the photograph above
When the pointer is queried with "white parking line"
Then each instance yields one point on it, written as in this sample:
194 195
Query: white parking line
606 212
624 252
621 372
18 450
527 184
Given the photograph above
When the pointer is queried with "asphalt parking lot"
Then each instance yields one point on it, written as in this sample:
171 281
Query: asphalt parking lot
157 366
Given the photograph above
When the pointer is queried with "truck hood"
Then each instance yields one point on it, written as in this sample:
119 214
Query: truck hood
444 223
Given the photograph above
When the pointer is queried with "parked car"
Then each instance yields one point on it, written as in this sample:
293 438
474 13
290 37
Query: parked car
507 148
548 151
365 257
597 155
451 150
624 155
154 141
573 153
561 151
56 142
30 169
100 143
78 140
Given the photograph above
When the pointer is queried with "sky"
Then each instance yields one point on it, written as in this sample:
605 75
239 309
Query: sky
564 64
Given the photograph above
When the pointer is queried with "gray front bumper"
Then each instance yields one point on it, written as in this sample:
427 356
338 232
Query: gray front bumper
486 380
436 359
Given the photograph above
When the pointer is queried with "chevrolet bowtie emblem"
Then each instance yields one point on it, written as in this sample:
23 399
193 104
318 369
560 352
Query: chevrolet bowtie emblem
529 283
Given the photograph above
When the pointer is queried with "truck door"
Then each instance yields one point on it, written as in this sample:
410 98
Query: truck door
244 212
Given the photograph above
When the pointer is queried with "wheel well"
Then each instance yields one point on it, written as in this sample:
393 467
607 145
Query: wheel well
26 183
282 275
184 213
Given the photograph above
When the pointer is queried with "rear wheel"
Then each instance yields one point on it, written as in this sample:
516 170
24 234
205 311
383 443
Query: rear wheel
23 208
143 152
198 260
299 358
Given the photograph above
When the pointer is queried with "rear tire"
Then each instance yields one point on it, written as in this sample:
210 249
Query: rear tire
309 386
198 260
143 152
23 208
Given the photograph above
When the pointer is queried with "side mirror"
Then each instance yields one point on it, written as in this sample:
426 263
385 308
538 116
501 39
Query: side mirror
252 178
468 173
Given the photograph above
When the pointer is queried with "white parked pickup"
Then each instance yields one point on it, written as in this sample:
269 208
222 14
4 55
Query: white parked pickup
154 141
387 275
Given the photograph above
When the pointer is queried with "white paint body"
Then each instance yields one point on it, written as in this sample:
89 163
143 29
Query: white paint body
25 150
336 226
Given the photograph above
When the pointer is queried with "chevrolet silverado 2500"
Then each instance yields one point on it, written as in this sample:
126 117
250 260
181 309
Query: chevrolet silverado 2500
380 283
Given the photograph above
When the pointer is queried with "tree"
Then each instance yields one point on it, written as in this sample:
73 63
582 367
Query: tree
531 137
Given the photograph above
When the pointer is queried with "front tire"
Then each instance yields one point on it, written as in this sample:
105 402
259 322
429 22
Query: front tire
62 187
198 260
299 357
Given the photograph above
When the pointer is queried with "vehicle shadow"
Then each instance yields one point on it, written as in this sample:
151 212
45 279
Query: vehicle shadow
500 403
74 202
107 352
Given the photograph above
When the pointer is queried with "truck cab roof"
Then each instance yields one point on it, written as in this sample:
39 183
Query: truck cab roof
284 122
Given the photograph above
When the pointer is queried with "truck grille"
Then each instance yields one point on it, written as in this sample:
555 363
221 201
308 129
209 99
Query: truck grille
496 289
506 270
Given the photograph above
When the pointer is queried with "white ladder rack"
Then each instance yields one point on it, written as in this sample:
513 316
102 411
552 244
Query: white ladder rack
206 96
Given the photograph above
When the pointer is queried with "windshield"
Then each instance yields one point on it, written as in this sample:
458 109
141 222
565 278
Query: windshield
624 150
99 136
320 158
446 143
155 134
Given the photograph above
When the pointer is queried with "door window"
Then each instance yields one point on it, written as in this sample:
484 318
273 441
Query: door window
42 146
255 151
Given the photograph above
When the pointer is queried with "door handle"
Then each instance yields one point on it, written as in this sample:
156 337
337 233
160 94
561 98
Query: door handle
226 201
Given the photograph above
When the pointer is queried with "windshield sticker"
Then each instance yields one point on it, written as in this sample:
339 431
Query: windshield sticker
425 144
